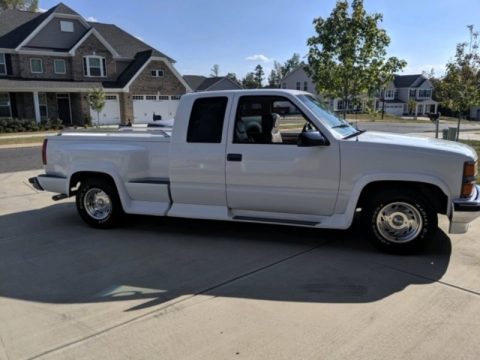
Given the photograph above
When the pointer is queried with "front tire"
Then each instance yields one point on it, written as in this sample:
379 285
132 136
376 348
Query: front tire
400 222
98 203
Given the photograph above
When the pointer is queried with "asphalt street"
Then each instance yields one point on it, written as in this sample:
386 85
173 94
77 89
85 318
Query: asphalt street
20 159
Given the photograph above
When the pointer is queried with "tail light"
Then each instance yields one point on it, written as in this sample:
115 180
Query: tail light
470 171
44 152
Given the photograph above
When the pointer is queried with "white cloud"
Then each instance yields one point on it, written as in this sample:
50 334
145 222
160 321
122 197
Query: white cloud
439 69
92 19
258 57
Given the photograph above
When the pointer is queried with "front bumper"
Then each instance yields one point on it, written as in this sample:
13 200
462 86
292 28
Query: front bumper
464 211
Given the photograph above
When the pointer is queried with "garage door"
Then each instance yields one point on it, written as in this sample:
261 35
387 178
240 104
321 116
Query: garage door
145 106
394 109
110 115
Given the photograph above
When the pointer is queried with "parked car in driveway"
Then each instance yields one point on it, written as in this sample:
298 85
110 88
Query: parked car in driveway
231 157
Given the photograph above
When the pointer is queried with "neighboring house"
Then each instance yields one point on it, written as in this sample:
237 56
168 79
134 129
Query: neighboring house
50 61
299 79
406 88
397 93
202 83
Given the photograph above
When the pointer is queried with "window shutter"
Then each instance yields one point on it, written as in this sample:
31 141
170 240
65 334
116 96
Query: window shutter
8 62
85 71
104 67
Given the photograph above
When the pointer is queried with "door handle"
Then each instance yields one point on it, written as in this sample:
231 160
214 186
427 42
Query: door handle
234 157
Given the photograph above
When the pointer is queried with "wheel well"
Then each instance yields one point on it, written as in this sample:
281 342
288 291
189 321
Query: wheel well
432 193
77 178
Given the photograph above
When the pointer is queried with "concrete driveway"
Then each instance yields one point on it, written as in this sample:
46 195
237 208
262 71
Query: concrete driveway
182 289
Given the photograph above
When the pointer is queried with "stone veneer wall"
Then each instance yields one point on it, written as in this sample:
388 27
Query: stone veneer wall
146 84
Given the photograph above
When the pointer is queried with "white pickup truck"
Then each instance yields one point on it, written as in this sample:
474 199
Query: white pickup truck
267 156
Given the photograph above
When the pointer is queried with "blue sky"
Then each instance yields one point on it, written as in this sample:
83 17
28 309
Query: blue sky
200 33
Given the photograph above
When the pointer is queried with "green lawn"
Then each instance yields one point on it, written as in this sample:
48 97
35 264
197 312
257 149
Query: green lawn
22 140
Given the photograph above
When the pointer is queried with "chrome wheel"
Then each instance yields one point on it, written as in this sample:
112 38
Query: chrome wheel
97 204
399 222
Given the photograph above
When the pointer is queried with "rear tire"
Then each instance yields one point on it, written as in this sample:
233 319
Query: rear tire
98 203
400 222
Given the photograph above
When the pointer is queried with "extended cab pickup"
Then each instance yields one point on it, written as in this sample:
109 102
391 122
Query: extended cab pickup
270 156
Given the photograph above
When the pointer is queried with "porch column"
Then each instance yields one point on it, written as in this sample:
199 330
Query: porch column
36 106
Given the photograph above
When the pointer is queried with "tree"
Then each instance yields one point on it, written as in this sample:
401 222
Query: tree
459 89
96 101
259 73
291 64
232 76
347 56
29 5
249 81
215 70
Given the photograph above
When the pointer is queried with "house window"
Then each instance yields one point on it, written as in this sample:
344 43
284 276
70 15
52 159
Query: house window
5 111
66 26
157 73
305 86
137 97
298 85
413 93
151 97
284 85
59 66
3 64
42 102
425 93
36 66
94 66
389 94
163 97
111 97
175 97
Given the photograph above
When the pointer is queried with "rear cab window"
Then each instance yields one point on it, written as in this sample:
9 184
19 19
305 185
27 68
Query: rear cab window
206 120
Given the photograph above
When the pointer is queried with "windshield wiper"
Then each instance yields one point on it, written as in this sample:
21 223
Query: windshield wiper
341 126
355 134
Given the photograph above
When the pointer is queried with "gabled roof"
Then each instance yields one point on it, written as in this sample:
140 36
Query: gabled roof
406 81
202 83
132 69
194 81
17 25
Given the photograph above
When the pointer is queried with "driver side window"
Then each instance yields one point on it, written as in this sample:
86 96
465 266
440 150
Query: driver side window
268 120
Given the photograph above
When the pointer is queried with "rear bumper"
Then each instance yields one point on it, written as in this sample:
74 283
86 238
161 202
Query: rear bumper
55 184
464 211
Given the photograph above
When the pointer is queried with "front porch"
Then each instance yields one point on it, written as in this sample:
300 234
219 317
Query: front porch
70 108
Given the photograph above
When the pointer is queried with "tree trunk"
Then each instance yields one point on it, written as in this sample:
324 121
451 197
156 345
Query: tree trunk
98 119
458 126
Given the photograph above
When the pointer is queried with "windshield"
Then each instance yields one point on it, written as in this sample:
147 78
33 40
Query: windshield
327 118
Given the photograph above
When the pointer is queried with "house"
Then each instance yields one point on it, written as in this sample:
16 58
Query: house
406 91
202 83
299 79
50 61
394 99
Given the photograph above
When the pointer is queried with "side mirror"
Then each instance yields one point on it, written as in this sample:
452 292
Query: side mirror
311 138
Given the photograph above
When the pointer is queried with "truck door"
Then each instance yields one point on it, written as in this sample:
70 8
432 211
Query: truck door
197 157
267 172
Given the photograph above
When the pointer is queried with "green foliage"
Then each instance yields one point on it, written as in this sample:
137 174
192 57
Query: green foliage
459 89
259 73
347 56
30 5
96 101
215 70
21 125
249 81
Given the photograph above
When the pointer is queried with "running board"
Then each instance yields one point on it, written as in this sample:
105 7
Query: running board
276 221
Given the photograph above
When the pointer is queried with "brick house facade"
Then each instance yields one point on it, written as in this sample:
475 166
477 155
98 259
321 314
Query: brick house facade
50 61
